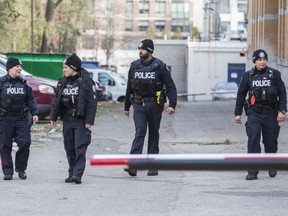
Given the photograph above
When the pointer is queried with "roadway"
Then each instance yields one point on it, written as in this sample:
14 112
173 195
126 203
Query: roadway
196 127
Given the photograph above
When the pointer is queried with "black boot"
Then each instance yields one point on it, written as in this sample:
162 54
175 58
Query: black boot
251 176
131 172
272 173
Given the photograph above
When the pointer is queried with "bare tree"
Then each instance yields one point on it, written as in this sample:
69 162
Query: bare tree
49 14
110 39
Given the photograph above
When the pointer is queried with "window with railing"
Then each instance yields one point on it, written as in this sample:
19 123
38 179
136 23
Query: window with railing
143 7
129 7
143 25
160 8
159 25
128 25
180 16
181 24
180 10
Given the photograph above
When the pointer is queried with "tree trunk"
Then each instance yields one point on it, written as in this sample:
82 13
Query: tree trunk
49 13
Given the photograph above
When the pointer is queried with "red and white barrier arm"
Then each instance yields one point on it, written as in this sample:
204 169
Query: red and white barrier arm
195 161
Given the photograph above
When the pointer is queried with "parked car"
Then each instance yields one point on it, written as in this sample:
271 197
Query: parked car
101 92
124 77
43 88
114 85
224 91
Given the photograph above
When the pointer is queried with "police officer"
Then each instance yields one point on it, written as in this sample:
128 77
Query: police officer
76 103
149 80
265 107
16 105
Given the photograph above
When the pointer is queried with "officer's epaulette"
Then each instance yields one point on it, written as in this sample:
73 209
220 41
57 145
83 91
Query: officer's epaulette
3 78
22 80
251 72
156 63
138 64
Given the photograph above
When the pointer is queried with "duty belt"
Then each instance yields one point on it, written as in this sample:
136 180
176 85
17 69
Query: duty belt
140 100
22 114
69 112
261 107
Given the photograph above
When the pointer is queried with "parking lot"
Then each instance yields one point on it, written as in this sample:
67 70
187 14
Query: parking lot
196 127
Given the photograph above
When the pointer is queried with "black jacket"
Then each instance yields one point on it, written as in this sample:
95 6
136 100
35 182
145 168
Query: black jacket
164 76
30 102
86 102
244 88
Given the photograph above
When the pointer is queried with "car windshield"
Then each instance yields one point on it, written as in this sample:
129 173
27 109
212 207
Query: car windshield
226 86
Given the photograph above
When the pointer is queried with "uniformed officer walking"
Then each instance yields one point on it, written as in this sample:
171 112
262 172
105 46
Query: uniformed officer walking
16 102
265 107
149 81
76 103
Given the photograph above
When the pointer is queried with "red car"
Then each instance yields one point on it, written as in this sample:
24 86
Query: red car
43 88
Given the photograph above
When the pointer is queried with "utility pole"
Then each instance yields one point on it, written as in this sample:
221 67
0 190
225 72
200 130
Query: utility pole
207 8
217 19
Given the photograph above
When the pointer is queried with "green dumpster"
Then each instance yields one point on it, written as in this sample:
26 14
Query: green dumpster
47 65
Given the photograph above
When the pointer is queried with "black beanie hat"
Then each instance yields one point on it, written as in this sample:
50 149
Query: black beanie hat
73 62
260 53
12 62
147 44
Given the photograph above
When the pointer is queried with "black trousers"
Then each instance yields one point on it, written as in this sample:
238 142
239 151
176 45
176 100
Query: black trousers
264 123
14 128
76 140
148 114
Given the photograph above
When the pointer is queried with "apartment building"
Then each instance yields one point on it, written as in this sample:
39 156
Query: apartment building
225 19
128 21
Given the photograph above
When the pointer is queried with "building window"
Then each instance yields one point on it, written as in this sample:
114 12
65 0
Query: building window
106 4
143 25
180 23
129 7
225 6
180 16
144 7
159 25
128 25
242 7
180 10
160 8
224 27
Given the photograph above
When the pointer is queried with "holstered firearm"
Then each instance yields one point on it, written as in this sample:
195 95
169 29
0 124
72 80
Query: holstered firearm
246 107
24 112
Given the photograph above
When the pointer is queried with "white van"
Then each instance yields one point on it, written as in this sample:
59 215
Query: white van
115 85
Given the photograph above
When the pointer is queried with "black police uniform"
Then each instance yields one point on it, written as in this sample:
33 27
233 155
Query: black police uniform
76 104
148 84
266 97
16 101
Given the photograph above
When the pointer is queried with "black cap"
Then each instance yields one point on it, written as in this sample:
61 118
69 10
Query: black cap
260 53
12 62
147 44
73 62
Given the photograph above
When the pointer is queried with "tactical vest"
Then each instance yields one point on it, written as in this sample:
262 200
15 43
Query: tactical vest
262 87
13 95
145 81
70 95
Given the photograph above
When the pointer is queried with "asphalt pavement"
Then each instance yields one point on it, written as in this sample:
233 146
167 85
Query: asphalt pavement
196 127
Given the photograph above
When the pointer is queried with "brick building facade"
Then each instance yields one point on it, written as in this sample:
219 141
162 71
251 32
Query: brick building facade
268 29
